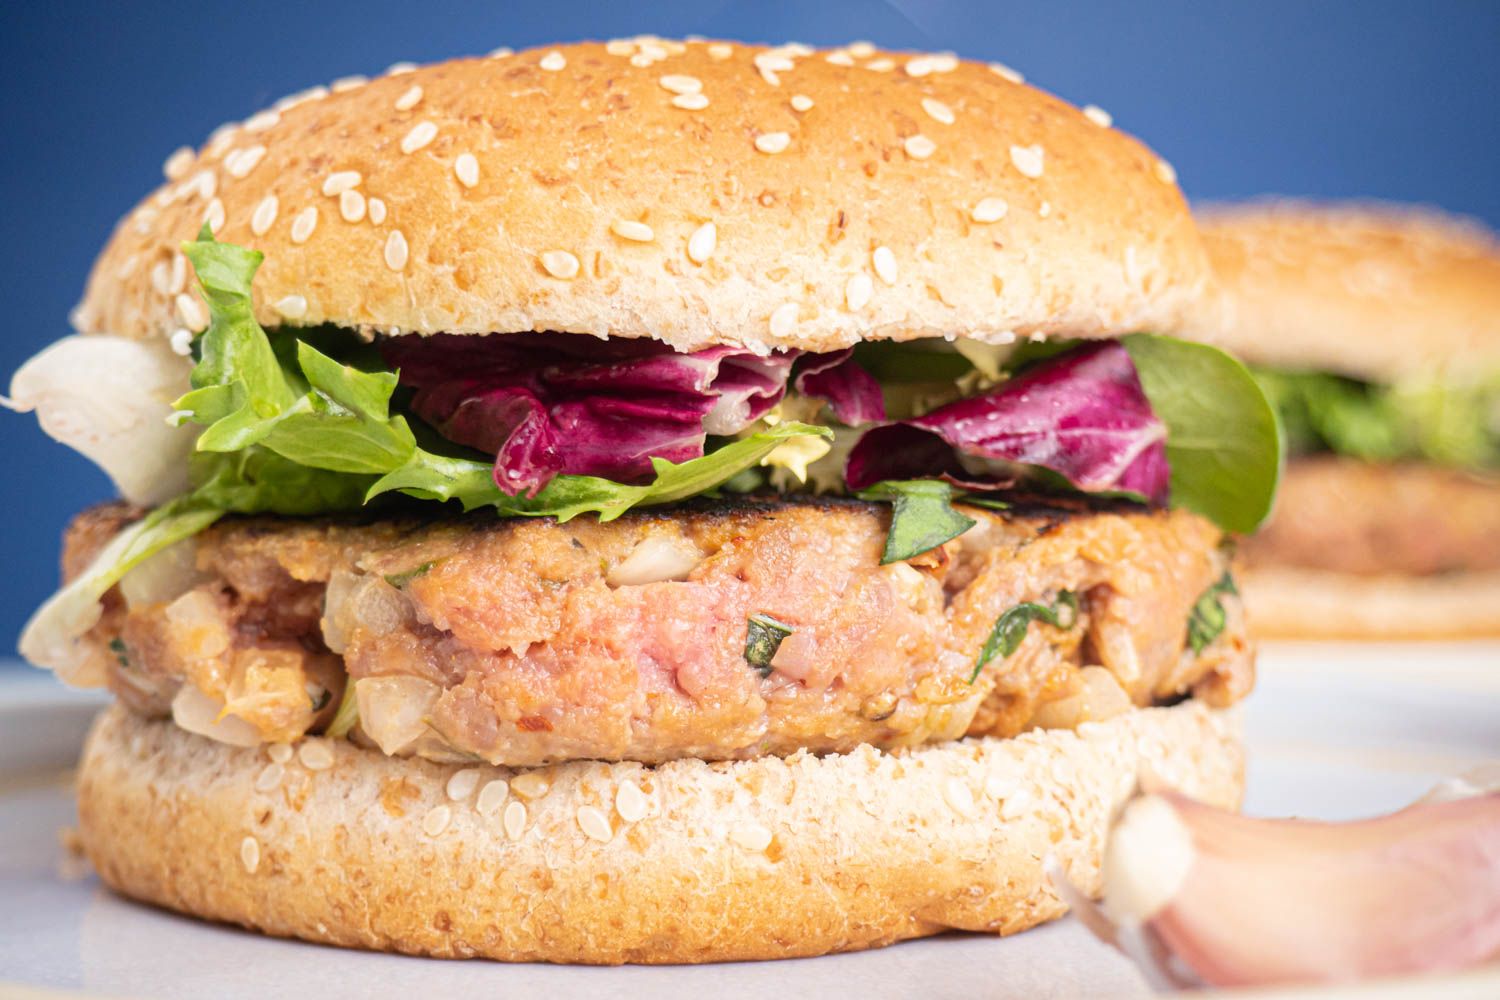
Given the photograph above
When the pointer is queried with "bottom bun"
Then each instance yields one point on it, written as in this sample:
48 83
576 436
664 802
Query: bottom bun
771 858
1294 603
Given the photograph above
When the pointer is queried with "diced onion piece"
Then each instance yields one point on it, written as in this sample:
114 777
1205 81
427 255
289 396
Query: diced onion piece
109 398
654 559
164 577
199 713
1100 697
393 711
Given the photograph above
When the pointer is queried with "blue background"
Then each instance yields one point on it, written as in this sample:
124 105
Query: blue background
1392 100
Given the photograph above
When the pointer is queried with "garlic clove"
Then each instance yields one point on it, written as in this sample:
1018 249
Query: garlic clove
1196 894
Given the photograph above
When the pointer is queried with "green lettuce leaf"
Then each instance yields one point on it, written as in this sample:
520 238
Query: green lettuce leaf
1224 442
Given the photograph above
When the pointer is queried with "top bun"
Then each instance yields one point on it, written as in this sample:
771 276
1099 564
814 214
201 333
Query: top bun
699 193
1377 292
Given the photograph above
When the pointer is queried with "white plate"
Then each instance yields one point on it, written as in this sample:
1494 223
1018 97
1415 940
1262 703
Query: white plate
1335 732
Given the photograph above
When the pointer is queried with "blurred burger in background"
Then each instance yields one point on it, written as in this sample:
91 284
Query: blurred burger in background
1375 330
649 501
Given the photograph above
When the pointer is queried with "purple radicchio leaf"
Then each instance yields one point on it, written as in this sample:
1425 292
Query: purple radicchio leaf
547 404
852 393
1082 415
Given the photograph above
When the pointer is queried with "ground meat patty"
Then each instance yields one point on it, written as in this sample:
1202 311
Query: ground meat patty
522 642
1348 516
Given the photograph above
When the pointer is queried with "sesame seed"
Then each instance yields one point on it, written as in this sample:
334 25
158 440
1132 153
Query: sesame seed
466 169
304 224
269 777
420 135
858 291
937 110
530 784
885 264
264 216
462 784
943 62
160 275
190 312
398 68
344 83
179 274
751 836
314 754
801 102
619 47
492 796
772 142
1165 172
437 820
340 181
641 59
769 75
553 61
919 147
300 97
377 211
839 57
998 787
204 184
279 752
220 138
261 120
881 65
292 306
959 798
395 250
560 264
352 206
1028 160
502 52
680 84
1016 804
784 319
988 210
1006 73
630 803
861 49
702 243
1044 209
178 164
1098 115
250 854
514 820
594 824
409 97
919 67
690 102
720 51
628 229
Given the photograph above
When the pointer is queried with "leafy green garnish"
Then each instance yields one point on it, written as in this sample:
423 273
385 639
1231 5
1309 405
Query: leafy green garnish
347 715
1224 443
763 635
922 516
1010 628
399 580
122 655
1208 618
1450 424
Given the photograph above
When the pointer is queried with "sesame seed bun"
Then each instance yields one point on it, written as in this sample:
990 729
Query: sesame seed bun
1377 292
698 193
1291 602
769 858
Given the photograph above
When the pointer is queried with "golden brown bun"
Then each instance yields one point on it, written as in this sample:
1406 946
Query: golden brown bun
1377 292
1291 603
764 859
1100 243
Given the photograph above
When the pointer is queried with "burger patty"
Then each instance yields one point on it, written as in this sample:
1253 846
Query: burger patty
1349 516
523 642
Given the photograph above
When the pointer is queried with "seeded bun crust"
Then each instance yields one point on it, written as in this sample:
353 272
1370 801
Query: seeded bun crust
815 200
1289 602
1377 292
765 859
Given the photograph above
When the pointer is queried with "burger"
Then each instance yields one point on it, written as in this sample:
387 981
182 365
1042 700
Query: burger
1375 330
648 502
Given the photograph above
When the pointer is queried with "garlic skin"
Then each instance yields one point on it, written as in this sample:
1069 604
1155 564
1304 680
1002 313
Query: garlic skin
110 399
1201 896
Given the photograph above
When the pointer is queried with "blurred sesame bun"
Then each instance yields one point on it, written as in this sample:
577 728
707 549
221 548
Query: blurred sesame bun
1376 292
609 863
1292 602
697 193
